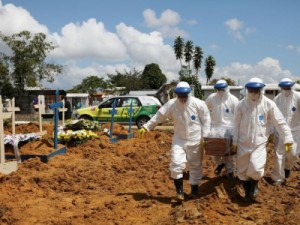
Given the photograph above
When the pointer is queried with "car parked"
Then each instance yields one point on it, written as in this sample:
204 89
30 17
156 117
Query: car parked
144 107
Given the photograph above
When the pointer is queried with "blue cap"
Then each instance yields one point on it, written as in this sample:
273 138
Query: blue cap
286 83
183 90
255 85
220 85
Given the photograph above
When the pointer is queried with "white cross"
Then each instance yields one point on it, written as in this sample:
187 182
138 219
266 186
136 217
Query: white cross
40 106
63 110
13 109
5 167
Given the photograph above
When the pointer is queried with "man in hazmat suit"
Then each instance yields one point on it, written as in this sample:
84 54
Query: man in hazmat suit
222 106
191 123
288 101
254 116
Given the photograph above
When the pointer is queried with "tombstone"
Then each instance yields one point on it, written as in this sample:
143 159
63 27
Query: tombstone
11 166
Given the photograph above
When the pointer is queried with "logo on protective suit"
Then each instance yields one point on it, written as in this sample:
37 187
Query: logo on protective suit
193 117
227 110
261 119
294 109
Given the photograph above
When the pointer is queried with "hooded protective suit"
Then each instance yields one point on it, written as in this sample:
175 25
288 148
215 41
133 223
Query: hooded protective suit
252 122
289 105
222 106
191 123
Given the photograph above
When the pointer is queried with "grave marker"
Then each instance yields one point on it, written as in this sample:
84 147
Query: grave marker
63 110
13 110
11 166
40 106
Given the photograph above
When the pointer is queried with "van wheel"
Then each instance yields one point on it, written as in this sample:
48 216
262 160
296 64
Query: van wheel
141 121
85 117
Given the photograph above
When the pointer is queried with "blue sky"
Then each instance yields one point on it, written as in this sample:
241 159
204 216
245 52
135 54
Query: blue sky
247 37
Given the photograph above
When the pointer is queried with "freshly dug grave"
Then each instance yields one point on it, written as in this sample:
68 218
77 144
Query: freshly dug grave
128 182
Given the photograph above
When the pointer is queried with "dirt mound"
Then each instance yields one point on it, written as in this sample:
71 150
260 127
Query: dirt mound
128 182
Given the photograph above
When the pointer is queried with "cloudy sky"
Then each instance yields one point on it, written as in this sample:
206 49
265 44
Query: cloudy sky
247 38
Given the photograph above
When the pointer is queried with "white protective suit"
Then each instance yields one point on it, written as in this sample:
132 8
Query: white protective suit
290 108
191 123
252 123
222 107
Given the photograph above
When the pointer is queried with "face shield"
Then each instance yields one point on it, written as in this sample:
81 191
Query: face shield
286 86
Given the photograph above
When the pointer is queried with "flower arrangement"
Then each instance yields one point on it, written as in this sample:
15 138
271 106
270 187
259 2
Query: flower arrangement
73 138
82 125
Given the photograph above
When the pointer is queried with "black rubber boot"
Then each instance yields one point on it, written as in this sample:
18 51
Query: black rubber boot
219 168
247 188
194 191
254 188
287 173
179 189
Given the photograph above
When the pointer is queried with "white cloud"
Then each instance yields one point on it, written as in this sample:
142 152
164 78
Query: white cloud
192 22
290 47
75 74
145 48
234 24
166 24
293 48
89 40
16 19
167 18
237 28
249 30
214 46
268 69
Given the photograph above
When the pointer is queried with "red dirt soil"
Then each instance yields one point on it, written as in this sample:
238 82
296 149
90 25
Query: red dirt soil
128 182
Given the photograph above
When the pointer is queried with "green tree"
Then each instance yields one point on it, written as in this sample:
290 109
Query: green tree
28 57
179 48
210 63
152 77
131 80
188 54
6 88
228 80
193 55
197 58
89 85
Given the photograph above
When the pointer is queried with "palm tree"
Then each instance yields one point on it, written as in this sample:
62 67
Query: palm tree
210 63
178 48
188 53
198 55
